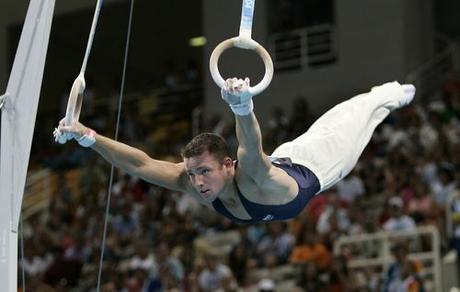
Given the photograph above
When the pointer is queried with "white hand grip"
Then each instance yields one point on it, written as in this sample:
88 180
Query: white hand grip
243 43
75 100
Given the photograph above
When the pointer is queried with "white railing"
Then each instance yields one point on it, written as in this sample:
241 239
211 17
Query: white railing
305 47
382 242
449 220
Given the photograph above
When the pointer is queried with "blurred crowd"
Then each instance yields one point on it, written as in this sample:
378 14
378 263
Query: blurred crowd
156 238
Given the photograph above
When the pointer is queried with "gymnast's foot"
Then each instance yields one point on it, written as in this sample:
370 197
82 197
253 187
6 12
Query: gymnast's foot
409 93
395 101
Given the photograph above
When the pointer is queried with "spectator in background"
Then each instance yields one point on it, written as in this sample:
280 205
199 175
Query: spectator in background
266 285
242 259
309 279
216 276
421 205
455 232
142 258
63 272
37 260
411 280
427 131
445 185
311 250
350 187
359 221
238 261
401 275
333 209
275 245
393 274
126 224
167 272
398 220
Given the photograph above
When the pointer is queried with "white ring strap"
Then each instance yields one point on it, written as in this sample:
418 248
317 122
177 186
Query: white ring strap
247 14
76 94
89 45
73 110
243 41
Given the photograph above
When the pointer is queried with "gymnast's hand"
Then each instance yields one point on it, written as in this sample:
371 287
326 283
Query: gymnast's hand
236 93
83 135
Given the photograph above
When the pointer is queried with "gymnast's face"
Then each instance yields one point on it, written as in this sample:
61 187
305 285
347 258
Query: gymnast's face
208 175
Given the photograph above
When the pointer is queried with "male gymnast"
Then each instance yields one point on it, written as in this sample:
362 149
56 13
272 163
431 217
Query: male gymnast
257 187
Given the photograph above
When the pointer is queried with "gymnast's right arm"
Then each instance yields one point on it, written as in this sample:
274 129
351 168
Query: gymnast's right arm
134 161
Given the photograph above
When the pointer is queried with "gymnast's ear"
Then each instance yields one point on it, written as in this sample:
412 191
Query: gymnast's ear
228 162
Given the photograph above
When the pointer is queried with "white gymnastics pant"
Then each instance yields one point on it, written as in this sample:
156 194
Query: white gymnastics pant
333 144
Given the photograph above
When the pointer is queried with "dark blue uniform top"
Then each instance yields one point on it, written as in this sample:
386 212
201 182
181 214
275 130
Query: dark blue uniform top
308 187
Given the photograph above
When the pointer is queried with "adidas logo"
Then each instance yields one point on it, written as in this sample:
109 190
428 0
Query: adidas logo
268 217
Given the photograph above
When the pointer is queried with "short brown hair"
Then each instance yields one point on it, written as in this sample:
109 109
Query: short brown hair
203 142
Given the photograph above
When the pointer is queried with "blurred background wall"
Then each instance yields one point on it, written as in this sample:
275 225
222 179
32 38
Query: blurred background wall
370 42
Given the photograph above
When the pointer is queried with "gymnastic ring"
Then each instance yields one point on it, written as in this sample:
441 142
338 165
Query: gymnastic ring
242 43
74 103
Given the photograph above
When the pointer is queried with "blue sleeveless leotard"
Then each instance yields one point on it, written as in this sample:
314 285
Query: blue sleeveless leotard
308 186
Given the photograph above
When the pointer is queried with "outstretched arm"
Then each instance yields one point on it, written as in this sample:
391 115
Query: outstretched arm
250 153
251 157
130 159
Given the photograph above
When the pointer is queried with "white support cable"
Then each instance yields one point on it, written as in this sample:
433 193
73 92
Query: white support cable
91 36
120 102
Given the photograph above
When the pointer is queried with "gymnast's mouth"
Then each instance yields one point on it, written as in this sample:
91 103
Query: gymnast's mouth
205 193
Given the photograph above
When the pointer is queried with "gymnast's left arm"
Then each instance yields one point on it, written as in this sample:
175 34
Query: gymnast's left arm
251 157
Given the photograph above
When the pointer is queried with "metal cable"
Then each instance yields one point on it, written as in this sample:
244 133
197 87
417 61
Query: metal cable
22 257
120 102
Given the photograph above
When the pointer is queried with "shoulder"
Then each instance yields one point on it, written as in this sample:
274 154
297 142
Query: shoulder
277 187
268 174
